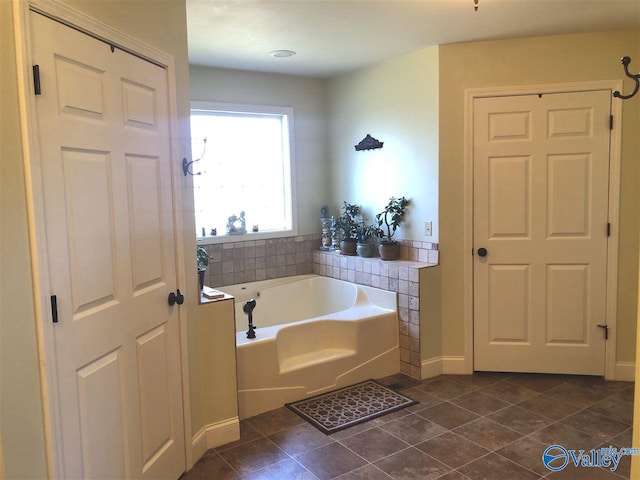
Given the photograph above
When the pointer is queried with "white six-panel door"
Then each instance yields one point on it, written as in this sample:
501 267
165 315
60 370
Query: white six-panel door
104 138
541 176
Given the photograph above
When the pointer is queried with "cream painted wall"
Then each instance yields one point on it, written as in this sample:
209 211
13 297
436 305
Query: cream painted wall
307 96
430 313
397 103
21 420
543 60
219 393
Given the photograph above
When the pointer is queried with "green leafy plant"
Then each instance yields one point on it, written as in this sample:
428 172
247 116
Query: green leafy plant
365 233
349 221
390 218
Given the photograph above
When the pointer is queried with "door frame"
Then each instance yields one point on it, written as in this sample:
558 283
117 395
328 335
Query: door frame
35 207
613 211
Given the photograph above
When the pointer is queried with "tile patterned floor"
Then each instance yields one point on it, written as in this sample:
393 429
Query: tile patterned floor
486 426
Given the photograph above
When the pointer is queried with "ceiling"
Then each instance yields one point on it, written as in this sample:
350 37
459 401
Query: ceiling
332 37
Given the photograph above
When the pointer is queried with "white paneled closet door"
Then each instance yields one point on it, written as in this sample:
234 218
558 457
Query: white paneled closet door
104 138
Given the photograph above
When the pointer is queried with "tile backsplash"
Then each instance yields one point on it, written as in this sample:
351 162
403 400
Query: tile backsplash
254 260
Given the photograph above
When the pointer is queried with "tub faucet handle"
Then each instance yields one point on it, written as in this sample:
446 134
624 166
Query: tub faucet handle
249 306
248 309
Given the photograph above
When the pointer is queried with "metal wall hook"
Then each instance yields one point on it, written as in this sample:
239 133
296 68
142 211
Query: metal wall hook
186 167
636 78
186 164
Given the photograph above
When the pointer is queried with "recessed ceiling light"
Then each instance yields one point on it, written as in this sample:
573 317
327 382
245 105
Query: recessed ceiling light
282 53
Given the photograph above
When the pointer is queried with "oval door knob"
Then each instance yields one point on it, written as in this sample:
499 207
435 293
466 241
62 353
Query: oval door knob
482 252
172 299
175 298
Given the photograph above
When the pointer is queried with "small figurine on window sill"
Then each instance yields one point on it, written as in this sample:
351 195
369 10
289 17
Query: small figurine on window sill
236 225
255 228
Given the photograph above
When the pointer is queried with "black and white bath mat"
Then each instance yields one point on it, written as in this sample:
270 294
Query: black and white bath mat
349 406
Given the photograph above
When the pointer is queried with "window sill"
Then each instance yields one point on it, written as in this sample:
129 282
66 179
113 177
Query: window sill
249 236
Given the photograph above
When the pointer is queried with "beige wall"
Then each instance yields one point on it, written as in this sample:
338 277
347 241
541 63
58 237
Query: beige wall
219 393
430 313
307 96
397 103
21 421
544 60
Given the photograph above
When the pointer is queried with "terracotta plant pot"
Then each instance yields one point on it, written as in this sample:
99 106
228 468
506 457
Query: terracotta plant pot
389 250
366 250
348 246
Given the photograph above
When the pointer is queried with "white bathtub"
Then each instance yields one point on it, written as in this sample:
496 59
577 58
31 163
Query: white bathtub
313 334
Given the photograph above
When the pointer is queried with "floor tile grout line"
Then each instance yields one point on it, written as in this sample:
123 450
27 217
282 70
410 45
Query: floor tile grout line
371 464
519 464
584 431
265 437
230 466
381 458
380 428
408 448
281 461
563 426
491 420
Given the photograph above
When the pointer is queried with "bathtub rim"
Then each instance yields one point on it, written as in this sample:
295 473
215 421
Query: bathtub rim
365 295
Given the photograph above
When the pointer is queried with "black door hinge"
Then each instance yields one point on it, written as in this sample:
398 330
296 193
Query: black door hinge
54 309
608 229
36 80
610 122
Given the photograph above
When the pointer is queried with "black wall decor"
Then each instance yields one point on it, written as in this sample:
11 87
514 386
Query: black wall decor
369 143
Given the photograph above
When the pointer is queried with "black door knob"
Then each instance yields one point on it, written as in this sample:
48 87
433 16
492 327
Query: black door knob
482 252
175 298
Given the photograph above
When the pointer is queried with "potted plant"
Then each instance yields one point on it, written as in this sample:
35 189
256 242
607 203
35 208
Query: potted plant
202 259
366 234
347 225
388 221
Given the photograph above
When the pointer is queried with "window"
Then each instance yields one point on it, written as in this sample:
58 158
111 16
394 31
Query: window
245 186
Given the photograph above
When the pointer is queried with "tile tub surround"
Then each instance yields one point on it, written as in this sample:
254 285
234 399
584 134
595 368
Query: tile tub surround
254 260
401 276
249 261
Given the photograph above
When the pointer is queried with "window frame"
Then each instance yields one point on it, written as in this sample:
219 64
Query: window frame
288 114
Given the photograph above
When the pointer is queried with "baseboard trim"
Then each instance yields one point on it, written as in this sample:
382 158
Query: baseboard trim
444 364
431 368
626 371
455 365
215 435
223 432
198 445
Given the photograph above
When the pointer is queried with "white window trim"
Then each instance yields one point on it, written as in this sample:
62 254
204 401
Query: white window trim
266 109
